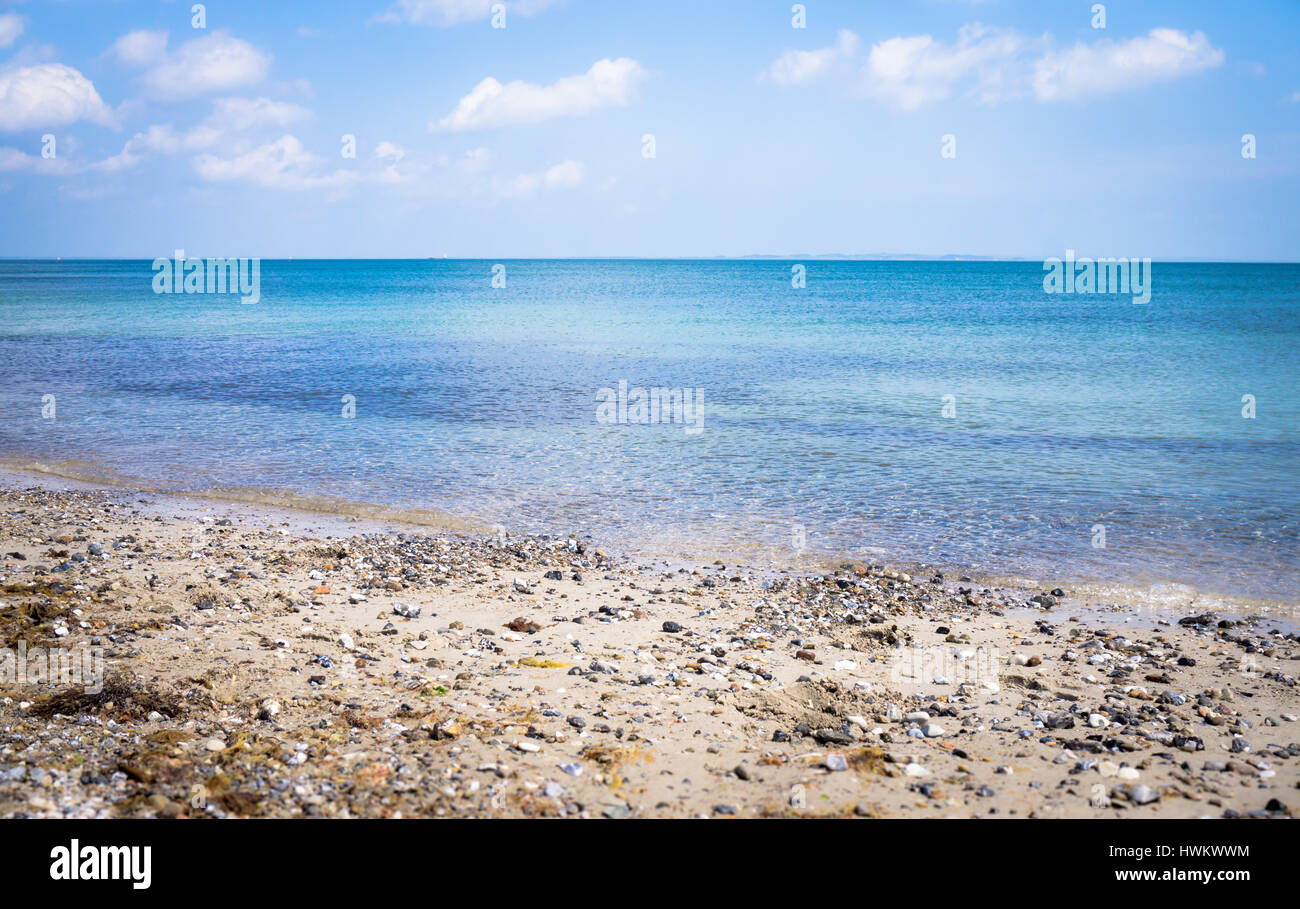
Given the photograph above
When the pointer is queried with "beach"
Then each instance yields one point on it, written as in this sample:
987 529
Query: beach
261 661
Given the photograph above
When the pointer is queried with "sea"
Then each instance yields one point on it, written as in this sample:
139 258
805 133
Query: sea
946 415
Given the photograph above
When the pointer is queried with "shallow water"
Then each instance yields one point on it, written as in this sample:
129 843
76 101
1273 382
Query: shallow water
823 407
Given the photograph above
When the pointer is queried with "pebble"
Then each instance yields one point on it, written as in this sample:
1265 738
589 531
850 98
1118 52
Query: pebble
1142 795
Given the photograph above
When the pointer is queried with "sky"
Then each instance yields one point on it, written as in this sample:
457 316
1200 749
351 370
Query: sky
576 128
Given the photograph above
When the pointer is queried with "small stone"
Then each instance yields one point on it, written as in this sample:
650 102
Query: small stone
1142 795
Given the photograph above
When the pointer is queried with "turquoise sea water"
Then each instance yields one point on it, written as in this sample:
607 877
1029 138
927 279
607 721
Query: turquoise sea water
823 406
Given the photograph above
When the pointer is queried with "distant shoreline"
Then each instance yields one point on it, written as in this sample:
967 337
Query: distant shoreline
753 257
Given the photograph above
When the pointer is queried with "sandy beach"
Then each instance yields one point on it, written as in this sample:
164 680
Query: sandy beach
274 663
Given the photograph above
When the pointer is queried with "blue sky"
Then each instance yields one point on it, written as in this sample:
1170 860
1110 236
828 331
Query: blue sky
527 140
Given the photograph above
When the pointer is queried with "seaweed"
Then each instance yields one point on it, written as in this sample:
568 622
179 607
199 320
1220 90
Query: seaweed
122 697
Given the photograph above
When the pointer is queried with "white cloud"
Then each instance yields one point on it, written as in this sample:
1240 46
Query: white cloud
282 164
910 72
48 94
475 161
251 113
796 67
453 12
390 150
215 62
1111 66
992 65
228 117
141 47
286 165
393 154
523 186
565 175
11 159
609 83
11 27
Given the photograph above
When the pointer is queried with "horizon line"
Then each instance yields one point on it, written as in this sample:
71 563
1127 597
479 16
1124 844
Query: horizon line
792 257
